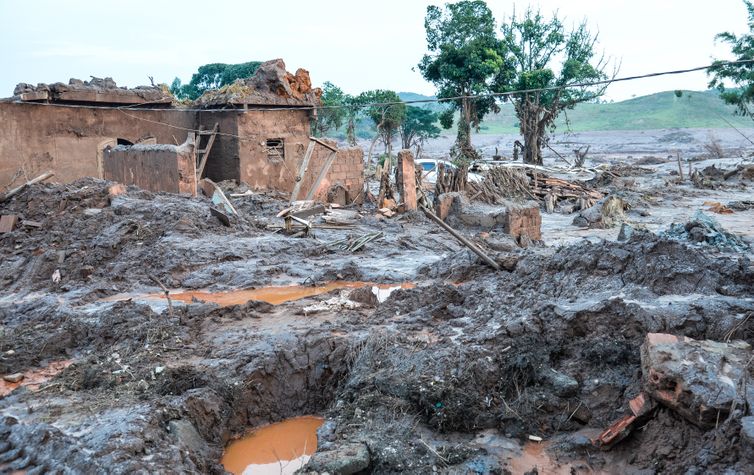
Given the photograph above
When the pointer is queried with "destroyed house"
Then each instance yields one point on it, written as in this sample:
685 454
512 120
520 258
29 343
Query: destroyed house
255 131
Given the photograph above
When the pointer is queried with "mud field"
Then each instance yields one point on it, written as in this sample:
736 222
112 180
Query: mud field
419 357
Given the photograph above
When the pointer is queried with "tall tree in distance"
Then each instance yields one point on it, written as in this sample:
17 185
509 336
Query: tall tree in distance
212 76
387 111
545 55
465 58
741 76
418 125
333 113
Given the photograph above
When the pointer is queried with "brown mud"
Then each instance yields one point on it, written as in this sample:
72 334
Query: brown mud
445 378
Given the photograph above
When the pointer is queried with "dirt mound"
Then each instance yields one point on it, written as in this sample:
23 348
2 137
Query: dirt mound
271 84
552 347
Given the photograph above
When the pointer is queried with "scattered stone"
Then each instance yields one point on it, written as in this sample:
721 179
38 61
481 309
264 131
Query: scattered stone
562 384
698 379
14 378
8 223
606 213
345 460
626 231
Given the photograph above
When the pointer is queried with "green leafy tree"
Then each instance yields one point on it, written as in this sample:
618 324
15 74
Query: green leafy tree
212 76
536 45
333 115
465 59
386 110
353 111
741 76
418 125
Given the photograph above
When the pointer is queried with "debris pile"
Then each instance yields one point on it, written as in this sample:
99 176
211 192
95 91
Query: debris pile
271 84
712 177
703 229
502 183
95 90
704 381
606 213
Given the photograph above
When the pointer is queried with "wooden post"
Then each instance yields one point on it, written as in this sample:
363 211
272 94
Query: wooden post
462 239
302 170
322 174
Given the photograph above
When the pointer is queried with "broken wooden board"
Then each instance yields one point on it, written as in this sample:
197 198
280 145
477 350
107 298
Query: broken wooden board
342 217
224 218
8 223
213 192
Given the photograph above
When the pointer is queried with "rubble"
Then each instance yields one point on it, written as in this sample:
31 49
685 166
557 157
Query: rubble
270 85
94 90
704 381
703 229
606 213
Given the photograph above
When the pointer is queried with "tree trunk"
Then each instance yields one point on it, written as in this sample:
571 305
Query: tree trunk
533 145
351 132
463 140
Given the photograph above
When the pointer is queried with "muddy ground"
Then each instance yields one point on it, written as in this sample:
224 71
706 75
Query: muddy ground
452 376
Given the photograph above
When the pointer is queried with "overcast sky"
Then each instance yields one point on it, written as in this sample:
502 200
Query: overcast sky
355 44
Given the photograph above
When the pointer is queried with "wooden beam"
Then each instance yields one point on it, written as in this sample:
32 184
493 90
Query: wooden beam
33 181
460 238
324 144
302 170
322 174
207 149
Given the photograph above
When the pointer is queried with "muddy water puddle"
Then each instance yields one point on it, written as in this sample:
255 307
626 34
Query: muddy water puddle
282 294
280 448
33 378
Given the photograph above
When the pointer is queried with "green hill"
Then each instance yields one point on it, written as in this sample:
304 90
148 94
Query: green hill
656 111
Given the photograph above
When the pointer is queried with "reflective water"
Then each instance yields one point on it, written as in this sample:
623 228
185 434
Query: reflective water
280 448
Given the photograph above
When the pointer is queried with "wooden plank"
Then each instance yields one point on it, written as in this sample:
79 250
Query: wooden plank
322 174
206 150
302 170
324 144
8 223
42 177
214 193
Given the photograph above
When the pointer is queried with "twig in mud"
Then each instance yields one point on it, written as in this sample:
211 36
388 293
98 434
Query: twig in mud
729 335
443 459
167 293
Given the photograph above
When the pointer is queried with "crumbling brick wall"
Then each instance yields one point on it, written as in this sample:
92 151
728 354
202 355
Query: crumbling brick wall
159 167
348 171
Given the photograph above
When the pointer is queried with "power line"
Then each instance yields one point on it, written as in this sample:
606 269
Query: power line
415 101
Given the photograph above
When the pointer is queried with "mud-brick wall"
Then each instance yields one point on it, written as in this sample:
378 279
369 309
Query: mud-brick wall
256 127
347 170
293 127
69 141
162 167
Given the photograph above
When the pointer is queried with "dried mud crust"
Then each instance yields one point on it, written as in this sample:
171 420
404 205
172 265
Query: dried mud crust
101 244
548 347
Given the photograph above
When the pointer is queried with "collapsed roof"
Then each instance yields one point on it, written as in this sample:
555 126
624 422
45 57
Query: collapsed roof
270 85
97 90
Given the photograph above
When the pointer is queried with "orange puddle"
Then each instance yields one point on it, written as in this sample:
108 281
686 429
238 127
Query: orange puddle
280 448
282 294
533 454
34 378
